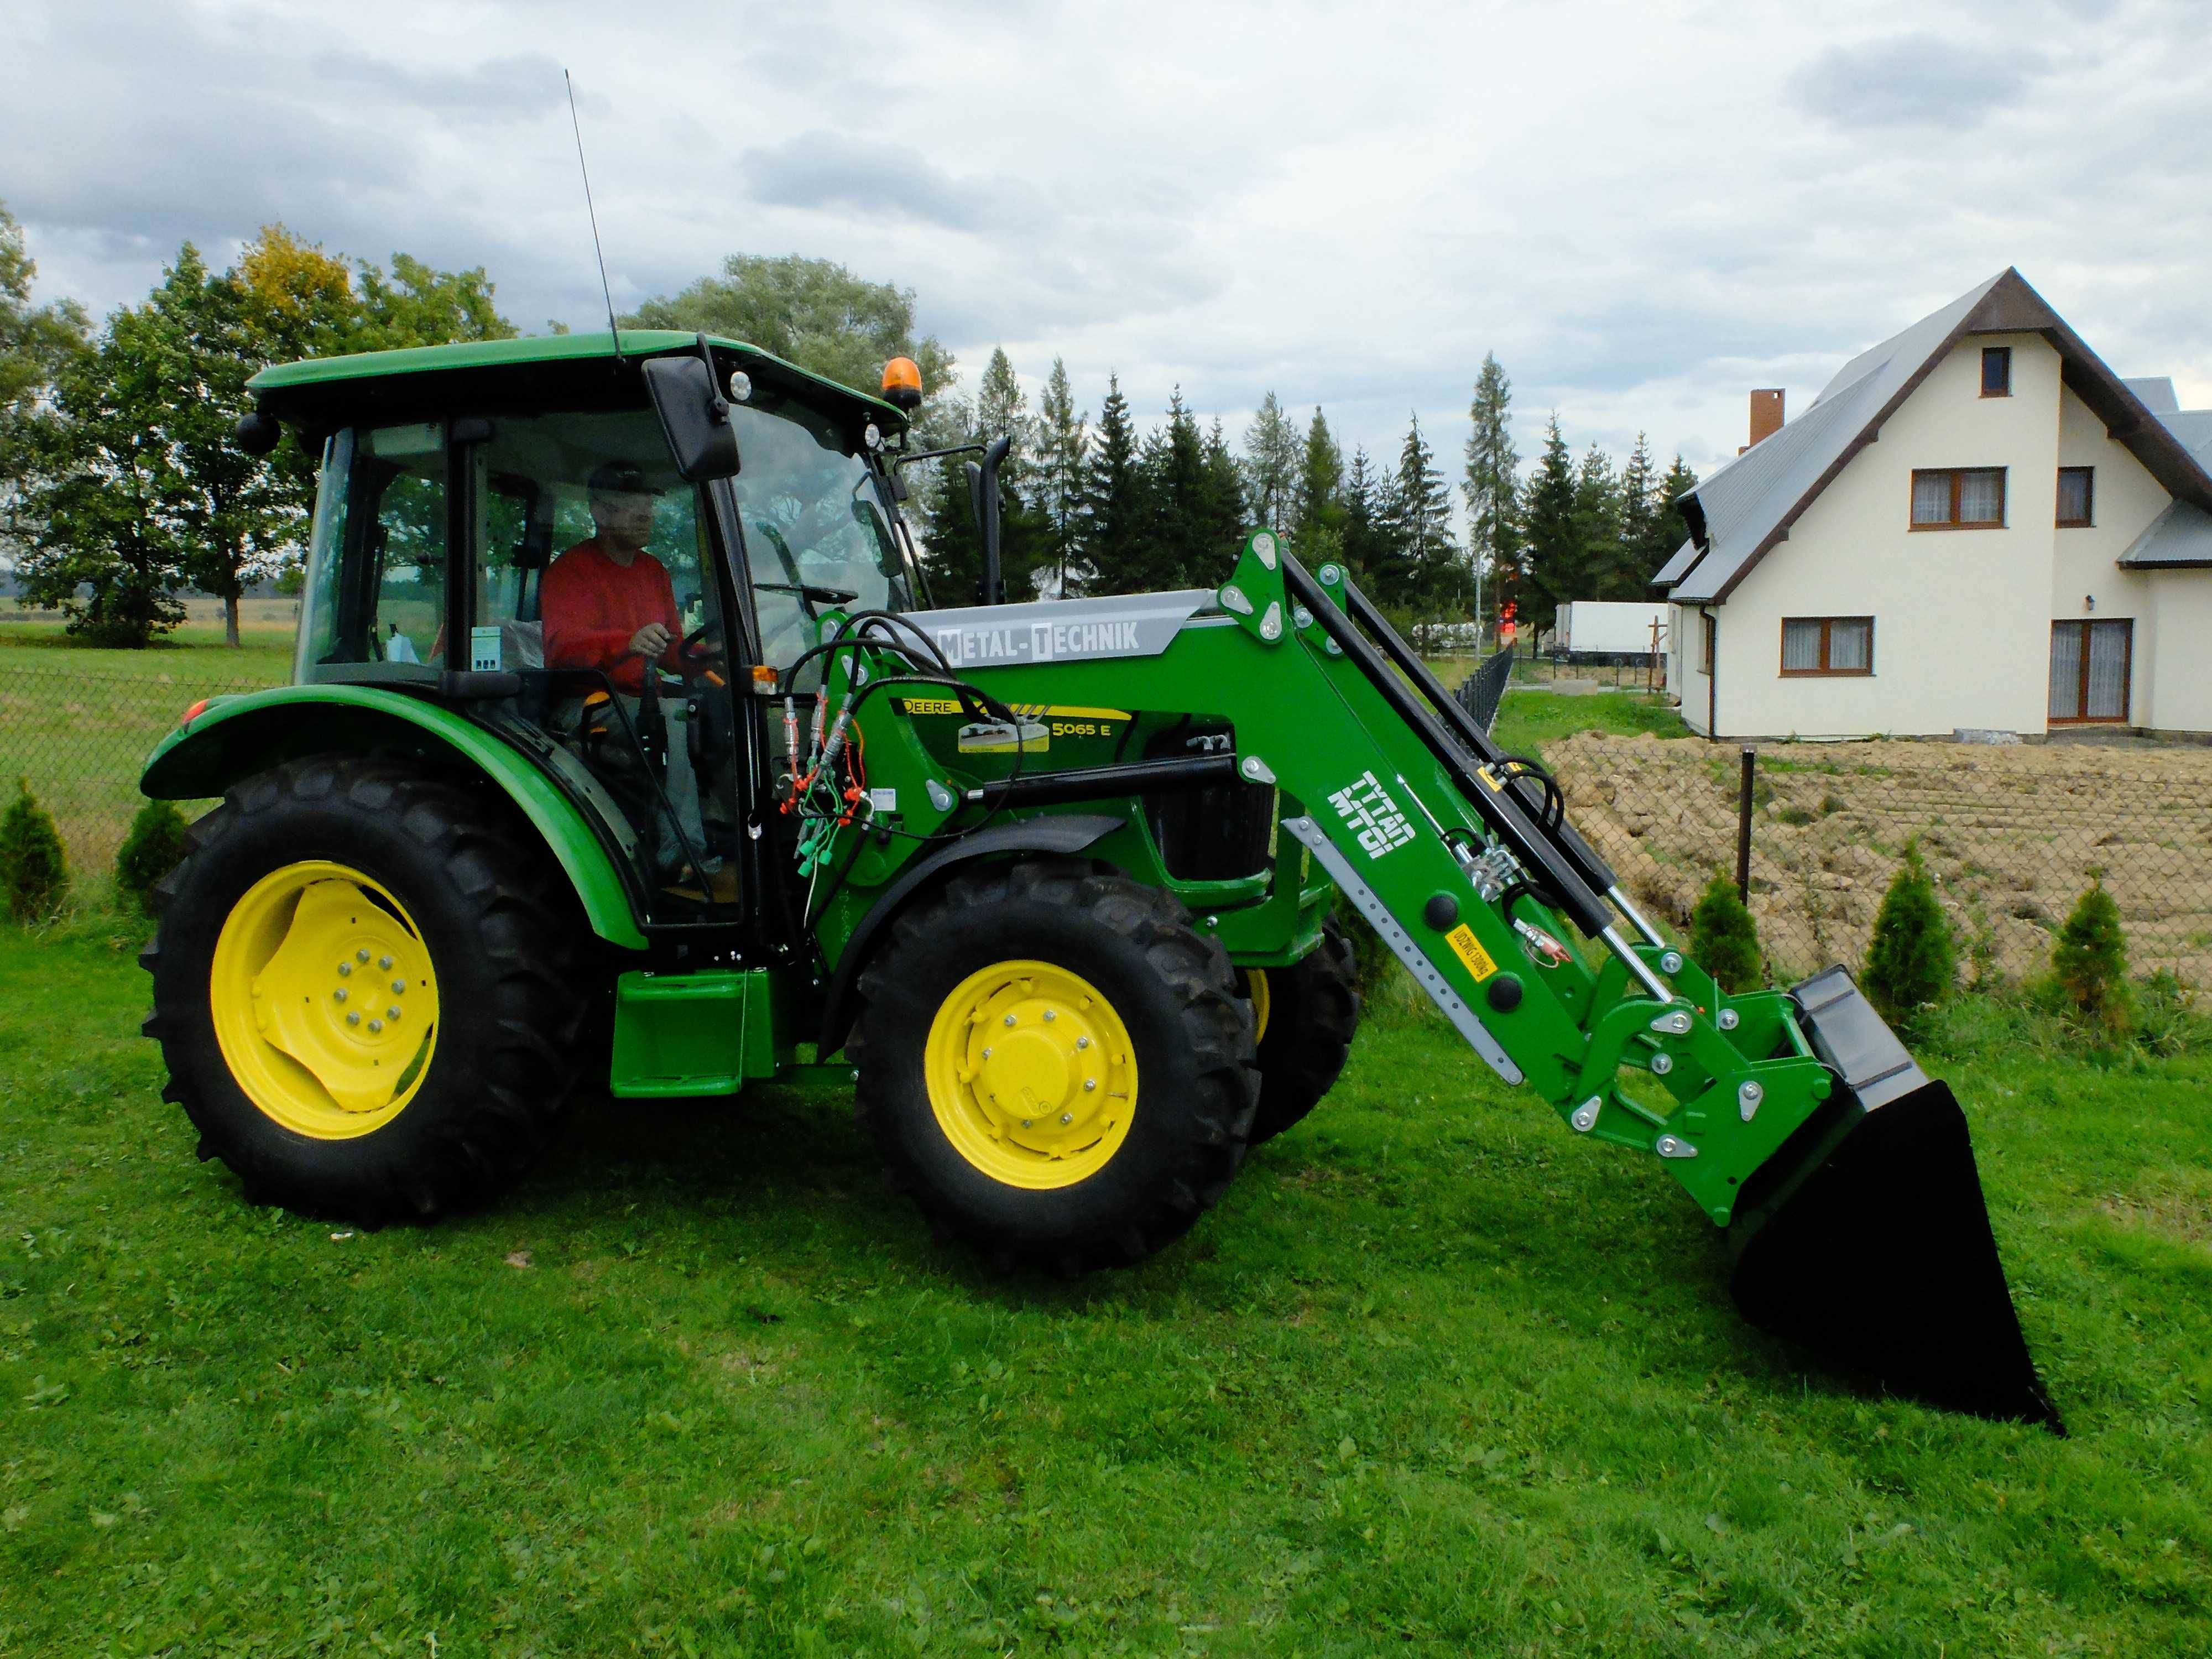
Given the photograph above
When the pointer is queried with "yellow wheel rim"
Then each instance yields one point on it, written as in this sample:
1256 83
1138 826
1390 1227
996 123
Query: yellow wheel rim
1031 1074
324 1001
1256 993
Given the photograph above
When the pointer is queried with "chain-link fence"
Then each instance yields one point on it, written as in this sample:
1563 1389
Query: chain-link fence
79 738
2012 835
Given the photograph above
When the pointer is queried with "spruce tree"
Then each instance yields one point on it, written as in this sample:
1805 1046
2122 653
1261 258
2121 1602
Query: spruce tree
1598 515
1670 529
154 846
1063 442
34 872
1365 537
1640 507
1554 537
1113 504
1724 936
1913 958
1321 478
1171 466
1490 483
2090 961
1436 581
1219 514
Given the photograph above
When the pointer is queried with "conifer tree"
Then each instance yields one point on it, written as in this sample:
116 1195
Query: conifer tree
1272 465
1670 529
1321 478
1172 465
1555 538
1112 501
154 846
1598 516
1063 442
1640 507
2090 961
1363 536
1914 958
34 873
1435 581
1490 483
1219 514
1725 936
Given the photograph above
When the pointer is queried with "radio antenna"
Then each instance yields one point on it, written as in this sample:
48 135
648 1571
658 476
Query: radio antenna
614 332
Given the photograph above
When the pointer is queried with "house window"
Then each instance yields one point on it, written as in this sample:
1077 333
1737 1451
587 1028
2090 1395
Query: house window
1996 371
1827 645
1708 637
2089 671
1959 498
2077 496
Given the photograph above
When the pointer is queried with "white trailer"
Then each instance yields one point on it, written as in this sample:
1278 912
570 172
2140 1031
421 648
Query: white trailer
1610 629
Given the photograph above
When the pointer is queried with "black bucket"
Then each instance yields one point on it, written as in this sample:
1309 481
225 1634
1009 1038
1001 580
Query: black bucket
1866 1237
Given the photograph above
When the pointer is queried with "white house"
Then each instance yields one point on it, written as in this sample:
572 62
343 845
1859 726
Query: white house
1976 525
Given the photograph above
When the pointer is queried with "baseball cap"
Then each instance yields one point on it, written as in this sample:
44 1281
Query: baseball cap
619 478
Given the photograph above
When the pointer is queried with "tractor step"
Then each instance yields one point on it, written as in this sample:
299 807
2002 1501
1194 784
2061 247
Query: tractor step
1866 1237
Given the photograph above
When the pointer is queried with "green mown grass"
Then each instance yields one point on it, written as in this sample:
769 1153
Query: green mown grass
1528 719
1435 1377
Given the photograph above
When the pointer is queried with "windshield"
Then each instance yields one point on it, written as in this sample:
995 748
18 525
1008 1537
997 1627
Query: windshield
817 536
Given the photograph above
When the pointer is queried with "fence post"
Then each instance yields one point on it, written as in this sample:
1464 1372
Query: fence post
1743 828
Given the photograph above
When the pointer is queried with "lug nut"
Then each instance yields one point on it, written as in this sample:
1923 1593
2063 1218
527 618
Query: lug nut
1088 1084
392 1014
1009 1020
1068 1117
987 1054
1083 1042
399 987
375 1026
360 956
339 994
384 963
1050 1015
344 968
1025 1123
353 1019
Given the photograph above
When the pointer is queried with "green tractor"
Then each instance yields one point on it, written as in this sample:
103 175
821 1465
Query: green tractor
625 751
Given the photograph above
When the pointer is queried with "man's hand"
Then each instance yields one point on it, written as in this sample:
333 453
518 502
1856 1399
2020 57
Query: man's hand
649 642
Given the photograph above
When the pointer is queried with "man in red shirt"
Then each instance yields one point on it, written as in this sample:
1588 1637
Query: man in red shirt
607 603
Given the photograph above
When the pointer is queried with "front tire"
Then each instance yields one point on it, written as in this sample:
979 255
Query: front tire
1312 1010
369 990
1054 1064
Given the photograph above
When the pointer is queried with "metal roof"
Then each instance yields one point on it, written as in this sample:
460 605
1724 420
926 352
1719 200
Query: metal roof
536 348
1744 510
2156 392
2180 538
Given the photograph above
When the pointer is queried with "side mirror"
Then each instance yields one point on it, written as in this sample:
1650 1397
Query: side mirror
695 416
983 493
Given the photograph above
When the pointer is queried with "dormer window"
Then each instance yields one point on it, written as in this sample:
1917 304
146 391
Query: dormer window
1996 371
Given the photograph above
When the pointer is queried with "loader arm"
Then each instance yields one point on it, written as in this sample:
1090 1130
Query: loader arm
1461 858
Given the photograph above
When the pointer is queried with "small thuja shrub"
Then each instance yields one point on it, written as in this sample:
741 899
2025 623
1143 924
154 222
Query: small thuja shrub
1913 959
2090 961
153 847
1723 937
34 873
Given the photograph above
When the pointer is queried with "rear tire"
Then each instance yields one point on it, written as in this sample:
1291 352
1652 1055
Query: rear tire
305 1089
987 1014
1313 1013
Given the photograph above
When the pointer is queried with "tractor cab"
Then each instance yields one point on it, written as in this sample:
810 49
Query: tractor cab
508 529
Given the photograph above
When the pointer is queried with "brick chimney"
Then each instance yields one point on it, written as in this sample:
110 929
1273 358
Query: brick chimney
1765 414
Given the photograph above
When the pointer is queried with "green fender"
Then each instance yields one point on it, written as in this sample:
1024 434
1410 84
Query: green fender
234 738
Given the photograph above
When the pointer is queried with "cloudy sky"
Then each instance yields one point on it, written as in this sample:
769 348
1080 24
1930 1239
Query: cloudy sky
1643 209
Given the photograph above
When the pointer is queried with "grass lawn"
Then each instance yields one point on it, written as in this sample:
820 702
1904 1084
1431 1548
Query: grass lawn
78 723
1529 718
1438 1377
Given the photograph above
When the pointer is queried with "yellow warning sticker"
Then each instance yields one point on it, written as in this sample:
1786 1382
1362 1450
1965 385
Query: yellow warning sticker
1469 950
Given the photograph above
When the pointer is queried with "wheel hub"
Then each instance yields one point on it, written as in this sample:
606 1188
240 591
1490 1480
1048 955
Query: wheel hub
1031 1074
325 1000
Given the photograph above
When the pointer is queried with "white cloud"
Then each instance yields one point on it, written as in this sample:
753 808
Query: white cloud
1643 209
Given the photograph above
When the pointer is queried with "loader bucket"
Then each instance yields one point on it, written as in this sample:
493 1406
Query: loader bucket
1866 1237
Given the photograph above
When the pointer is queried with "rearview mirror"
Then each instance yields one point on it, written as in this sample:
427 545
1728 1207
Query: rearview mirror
695 416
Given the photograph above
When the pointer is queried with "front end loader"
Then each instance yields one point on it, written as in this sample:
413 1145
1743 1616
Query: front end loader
1055 879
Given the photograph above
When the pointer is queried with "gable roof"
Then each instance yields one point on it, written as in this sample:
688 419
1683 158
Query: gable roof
1746 509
